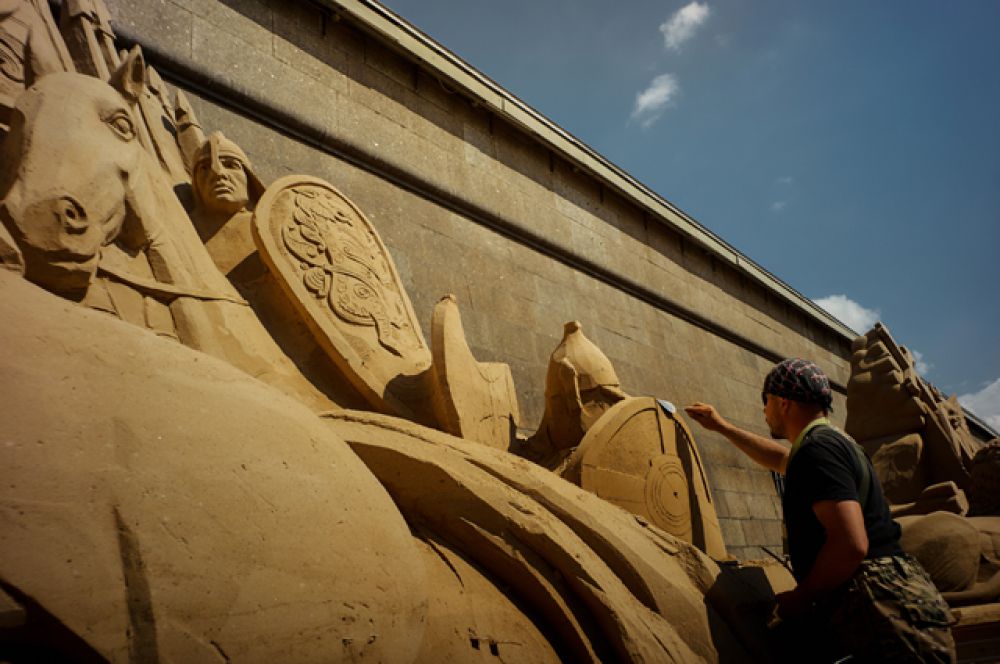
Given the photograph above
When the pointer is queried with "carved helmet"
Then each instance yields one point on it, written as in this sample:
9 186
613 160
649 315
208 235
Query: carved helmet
216 146
580 386
593 368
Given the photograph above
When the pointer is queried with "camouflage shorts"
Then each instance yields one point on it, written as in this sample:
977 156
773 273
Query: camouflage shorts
890 611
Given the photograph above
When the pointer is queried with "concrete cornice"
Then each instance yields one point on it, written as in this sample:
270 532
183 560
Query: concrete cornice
403 37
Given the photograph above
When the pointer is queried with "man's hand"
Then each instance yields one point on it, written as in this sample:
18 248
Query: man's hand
766 452
706 415
792 603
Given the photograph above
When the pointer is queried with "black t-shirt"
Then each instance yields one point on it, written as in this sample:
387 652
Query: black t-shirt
827 468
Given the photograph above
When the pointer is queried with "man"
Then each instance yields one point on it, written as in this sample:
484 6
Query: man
857 593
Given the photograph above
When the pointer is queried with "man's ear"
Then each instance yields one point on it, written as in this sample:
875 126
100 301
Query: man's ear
130 77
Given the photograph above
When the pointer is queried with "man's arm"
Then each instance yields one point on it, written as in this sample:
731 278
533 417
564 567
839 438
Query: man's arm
768 453
845 547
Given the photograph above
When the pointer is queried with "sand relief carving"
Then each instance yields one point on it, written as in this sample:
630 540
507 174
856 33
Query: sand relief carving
60 232
304 249
580 386
221 195
635 452
334 269
961 554
916 435
472 399
225 189
641 456
898 418
94 218
504 516
939 479
27 50
343 262
179 486
248 523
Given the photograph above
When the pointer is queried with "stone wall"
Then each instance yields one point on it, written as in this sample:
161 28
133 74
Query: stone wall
469 203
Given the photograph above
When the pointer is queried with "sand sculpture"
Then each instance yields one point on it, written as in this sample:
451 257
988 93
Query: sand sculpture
303 248
175 487
580 386
915 436
940 480
641 456
226 189
30 49
473 400
962 553
635 452
984 480
330 263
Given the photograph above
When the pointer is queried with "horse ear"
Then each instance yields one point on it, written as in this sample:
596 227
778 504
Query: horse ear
130 77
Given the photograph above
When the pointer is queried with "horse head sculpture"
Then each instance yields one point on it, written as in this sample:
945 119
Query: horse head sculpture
66 172
85 201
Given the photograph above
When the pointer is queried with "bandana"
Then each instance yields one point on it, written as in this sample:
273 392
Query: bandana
799 380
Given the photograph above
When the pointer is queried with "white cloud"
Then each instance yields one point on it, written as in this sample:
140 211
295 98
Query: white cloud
651 102
985 403
784 179
778 206
861 319
849 312
919 364
682 25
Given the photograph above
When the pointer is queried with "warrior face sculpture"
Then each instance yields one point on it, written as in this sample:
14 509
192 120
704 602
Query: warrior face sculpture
224 182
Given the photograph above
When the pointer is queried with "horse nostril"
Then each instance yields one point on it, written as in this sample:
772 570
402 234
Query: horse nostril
71 215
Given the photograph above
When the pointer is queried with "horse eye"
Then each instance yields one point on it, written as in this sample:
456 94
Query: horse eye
121 123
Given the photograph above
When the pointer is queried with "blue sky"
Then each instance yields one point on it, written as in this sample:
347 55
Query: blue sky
852 148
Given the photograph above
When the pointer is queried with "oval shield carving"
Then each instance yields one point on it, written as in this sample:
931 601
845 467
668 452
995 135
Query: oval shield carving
332 264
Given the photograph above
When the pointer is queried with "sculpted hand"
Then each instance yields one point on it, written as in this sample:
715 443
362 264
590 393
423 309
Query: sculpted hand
706 415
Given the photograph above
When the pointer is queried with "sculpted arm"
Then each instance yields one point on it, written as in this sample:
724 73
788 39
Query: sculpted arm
768 453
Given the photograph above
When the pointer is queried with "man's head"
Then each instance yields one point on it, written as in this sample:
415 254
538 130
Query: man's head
795 390
223 179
